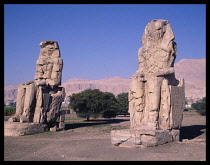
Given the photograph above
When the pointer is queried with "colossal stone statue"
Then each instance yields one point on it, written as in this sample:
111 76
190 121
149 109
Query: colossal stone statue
156 97
149 95
39 101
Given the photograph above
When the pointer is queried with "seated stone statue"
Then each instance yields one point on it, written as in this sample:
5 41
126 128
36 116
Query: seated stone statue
150 102
39 101
156 97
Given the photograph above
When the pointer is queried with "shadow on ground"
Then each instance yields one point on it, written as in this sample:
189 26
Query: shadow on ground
93 123
191 132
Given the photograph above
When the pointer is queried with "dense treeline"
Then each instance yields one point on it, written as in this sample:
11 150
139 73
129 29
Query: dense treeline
200 106
95 103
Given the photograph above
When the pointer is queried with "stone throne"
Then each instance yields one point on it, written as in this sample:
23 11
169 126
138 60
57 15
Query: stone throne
39 101
156 97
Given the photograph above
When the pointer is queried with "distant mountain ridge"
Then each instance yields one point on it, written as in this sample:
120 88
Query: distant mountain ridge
116 85
192 70
194 73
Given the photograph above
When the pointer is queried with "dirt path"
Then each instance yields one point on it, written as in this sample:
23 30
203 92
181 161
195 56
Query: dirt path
91 141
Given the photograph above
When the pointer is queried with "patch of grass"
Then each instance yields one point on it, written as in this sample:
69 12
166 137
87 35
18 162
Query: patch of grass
190 112
9 111
72 122
73 118
119 127
202 112
98 125
116 127
187 109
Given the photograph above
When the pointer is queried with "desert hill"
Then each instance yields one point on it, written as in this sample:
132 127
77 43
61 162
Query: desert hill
192 70
115 85
10 93
194 73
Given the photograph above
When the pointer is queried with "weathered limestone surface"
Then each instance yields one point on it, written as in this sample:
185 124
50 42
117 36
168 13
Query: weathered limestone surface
39 101
156 97
142 138
20 129
177 104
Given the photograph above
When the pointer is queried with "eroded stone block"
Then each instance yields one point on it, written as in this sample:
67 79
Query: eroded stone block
20 129
140 138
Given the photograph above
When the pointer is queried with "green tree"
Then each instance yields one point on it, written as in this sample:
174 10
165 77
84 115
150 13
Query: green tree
92 103
109 105
200 106
204 103
109 114
122 103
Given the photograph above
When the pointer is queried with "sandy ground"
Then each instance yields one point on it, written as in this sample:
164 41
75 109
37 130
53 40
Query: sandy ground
91 141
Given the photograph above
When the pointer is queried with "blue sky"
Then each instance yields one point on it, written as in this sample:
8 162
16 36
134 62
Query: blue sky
96 41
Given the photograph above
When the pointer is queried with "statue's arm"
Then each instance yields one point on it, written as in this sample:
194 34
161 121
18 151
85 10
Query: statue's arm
168 71
170 51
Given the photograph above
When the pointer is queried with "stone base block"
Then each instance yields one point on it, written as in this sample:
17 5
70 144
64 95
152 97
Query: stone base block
20 129
143 138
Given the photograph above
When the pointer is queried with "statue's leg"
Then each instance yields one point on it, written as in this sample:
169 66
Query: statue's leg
19 104
29 104
61 112
54 111
135 116
62 119
153 101
52 115
38 108
136 102
164 112
46 98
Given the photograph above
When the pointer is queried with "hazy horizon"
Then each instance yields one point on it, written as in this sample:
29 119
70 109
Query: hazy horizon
108 77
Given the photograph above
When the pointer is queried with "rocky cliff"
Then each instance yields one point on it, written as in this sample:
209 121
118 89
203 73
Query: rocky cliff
116 85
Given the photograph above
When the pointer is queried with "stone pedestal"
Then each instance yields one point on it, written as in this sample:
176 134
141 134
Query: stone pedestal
20 129
143 138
